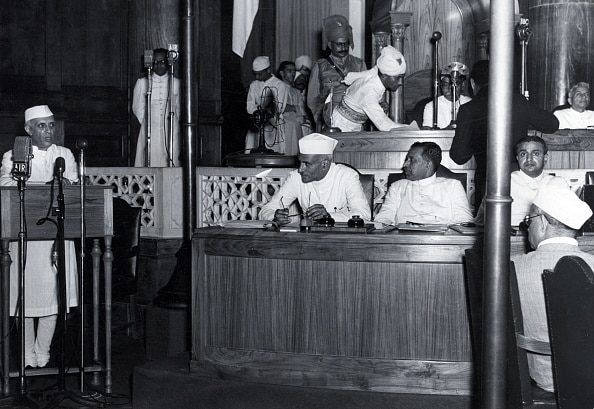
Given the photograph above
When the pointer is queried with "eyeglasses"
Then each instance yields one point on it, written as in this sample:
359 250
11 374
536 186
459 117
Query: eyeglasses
528 219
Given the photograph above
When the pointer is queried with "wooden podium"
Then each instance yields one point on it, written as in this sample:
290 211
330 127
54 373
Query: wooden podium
98 223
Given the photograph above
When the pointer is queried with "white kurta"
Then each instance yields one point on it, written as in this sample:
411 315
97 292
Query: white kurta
571 119
523 190
363 96
430 200
444 111
340 192
160 109
40 275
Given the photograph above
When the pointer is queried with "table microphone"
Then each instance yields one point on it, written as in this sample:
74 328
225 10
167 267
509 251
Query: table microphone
59 167
22 153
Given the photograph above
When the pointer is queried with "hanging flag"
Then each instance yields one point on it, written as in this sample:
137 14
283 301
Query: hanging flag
244 13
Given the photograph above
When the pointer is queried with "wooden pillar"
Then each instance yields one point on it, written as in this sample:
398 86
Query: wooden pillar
563 38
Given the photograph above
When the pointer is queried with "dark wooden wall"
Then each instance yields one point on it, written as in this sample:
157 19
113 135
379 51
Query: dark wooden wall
82 58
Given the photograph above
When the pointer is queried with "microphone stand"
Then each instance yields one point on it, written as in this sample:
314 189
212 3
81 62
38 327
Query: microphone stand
171 114
149 115
435 40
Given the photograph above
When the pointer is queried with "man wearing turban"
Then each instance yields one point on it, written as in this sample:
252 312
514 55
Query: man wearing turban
362 98
328 72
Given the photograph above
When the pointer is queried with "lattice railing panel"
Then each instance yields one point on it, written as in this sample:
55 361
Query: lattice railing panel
137 190
226 198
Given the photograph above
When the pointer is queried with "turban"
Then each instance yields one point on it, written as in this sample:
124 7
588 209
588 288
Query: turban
563 205
317 144
261 63
391 61
336 27
39 111
303 60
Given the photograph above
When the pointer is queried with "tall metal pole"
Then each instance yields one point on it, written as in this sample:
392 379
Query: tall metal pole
498 206
176 293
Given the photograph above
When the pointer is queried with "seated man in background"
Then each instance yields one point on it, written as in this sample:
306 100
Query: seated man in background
362 98
321 187
577 116
555 218
532 156
269 96
445 106
423 197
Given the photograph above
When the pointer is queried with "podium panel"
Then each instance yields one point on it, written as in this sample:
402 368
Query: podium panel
98 211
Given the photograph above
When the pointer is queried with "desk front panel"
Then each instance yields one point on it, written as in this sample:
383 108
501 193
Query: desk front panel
289 307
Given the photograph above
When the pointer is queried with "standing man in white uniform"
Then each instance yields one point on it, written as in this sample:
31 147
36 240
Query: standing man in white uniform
161 154
41 287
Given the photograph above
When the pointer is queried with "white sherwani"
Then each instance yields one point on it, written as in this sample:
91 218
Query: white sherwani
429 200
340 192
571 119
363 96
40 274
523 190
160 150
444 111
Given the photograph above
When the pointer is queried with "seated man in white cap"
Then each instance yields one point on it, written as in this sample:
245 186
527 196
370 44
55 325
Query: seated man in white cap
554 221
362 98
452 79
321 187
423 197
40 273
270 95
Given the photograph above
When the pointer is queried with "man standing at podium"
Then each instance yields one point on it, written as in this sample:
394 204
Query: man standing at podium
41 287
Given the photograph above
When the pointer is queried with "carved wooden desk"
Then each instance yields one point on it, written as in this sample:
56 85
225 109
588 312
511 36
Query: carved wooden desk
98 223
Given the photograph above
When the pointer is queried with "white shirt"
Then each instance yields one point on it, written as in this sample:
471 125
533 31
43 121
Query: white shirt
160 111
444 111
523 190
364 96
429 200
275 87
340 192
569 118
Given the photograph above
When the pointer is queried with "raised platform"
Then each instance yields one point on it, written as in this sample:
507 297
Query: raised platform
167 383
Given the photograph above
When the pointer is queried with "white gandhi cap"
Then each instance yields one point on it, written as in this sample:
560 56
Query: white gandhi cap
563 205
39 111
317 144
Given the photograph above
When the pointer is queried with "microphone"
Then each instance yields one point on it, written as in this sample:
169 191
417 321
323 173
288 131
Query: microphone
148 59
172 54
22 153
81 143
436 36
59 167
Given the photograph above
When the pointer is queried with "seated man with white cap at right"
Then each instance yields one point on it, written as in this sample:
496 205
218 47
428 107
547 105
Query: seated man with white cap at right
555 218
321 187
362 98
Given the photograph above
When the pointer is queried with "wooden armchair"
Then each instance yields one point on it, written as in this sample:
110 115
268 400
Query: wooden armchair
569 294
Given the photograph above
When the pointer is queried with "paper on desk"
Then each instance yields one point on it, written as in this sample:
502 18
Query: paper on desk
264 173
247 224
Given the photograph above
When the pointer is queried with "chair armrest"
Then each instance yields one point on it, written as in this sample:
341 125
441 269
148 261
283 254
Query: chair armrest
533 345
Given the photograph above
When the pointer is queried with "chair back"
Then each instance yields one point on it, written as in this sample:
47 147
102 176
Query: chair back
442 172
125 244
521 393
368 184
569 295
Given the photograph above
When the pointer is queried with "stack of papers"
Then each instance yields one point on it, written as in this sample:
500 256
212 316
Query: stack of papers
422 227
